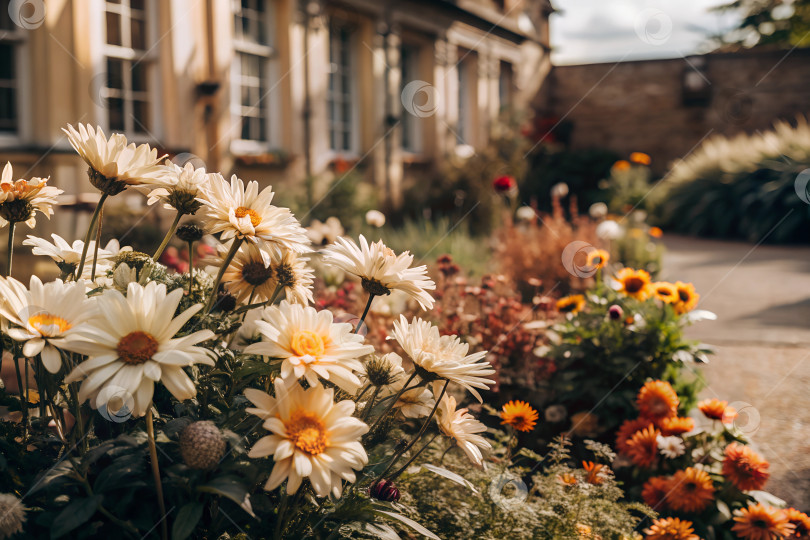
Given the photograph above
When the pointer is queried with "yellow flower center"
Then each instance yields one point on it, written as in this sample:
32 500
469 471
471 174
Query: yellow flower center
48 325
307 343
307 432
255 218
137 347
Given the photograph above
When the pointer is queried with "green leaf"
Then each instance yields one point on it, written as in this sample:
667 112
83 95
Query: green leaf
252 368
187 518
450 475
410 523
74 514
231 488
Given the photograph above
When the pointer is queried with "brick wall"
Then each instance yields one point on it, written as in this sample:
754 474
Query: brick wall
644 105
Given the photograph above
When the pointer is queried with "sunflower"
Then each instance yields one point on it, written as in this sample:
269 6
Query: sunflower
310 345
800 522
463 428
311 436
634 283
627 430
665 291
381 270
596 474
597 259
519 415
20 200
670 529
657 400
760 522
744 468
655 492
642 448
715 409
571 304
676 425
692 490
687 297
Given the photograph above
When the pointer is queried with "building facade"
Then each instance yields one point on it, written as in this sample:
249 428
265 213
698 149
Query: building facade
274 90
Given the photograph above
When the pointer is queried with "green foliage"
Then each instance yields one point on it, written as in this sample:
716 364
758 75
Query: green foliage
770 23
636 248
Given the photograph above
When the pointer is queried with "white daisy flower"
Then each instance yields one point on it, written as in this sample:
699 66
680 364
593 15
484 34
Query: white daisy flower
380 269
114 165
44 315
180 188
67 256
131 345
443 357
20 200
311 437
12 515
670 447
245 213
463 428
416 402
294 274
310 345
323 233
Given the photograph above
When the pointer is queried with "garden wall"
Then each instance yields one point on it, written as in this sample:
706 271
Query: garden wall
666 107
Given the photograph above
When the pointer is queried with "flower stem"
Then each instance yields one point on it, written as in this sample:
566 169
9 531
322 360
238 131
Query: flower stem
168 237
365 312
10 246
393 402
93 220
150 432
225 264
190 266
23 402
370 404
416 455
95 247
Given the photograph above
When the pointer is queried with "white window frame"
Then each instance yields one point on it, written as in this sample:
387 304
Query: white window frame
269 57
353 93
18 38
412 140
464 98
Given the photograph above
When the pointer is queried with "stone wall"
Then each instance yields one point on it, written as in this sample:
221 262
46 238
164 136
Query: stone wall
666 107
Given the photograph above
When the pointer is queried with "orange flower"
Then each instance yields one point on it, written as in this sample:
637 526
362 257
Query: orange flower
670 529
634 283
567 479
655 492
621 165
594 471
676 425
687 297
627 430
760 522
744 468
716 409
571 304
519 415
641 158
665 291
584 531
656 232
597 259
642 447
800 522
657 400
691 490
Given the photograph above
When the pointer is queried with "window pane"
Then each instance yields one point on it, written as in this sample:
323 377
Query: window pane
115 111
115 73
114 29
137 4
138 34
8 110
139 83
5 19
140 112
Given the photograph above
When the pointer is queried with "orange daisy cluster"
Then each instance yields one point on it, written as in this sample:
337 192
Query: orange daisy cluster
642 448
760 522
687 297
654 492
676 425
715 409
519 415
657 400
594 471
800 522
744 468
670 529
627 430
691 490
634 283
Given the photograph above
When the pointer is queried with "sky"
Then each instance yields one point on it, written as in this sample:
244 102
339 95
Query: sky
588 31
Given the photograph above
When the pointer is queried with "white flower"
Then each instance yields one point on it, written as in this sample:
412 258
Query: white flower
375 218
116 165
131 345
670 447
310 345
44 316
12 515
293 273
380 269
324 233
463 428
609 230
20 200
180 187
559 190
416 402
67 256
241 212
384 369
444 357
526 213
311 437
598 210
555 413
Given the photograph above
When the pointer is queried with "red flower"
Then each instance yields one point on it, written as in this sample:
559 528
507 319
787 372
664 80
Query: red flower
503 184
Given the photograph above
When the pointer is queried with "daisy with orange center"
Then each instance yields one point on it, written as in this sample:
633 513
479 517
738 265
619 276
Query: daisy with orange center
665 291
687 297
519 415
657 400
670 529
571 304
676 425
715 409
20 200
691 490
800 522
597 259
760 522
627 430
634 283
596 474
655 492
744 468
642 448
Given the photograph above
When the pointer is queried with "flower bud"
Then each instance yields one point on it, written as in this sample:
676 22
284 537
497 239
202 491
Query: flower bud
384 490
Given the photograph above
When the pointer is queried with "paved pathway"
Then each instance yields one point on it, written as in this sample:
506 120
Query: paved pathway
762 338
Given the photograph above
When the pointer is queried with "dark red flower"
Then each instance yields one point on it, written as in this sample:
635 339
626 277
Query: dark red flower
503 184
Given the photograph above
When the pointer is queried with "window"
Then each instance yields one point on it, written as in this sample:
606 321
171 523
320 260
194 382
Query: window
11 38
465 99
252 70
505 85
340 95
127 94
409 62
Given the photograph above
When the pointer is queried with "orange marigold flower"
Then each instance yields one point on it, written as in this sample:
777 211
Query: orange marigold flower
716 409
800 522
627 430
519 415
621 165
657 400
655 492
571 304
744 468
594 471
691 490
687 297
665 291
567 479
634 283
760 522
670 529
597 259
642 448
656 232
676 425
641 158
